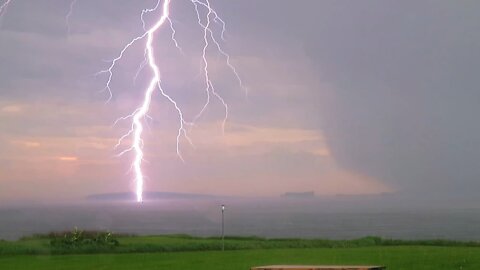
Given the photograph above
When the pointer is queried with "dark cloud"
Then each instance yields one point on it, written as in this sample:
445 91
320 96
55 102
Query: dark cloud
403 105
397 89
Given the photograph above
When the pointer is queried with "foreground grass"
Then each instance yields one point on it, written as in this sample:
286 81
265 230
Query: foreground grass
186 252
395 257
40 245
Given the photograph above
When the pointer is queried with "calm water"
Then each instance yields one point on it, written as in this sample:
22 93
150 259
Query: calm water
267 218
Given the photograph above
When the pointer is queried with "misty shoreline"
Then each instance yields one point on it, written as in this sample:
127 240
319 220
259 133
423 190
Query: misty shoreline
270 218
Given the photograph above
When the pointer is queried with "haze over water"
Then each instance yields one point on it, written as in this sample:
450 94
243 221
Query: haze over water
272 218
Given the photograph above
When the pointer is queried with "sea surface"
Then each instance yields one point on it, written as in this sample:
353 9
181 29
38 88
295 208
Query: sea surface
245 217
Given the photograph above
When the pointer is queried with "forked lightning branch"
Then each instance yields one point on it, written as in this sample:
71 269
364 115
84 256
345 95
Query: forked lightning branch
206 15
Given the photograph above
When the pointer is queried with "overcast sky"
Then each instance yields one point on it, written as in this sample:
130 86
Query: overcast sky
344 97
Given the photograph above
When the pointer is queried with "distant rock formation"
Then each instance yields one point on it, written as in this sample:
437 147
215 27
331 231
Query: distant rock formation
130 196
307 194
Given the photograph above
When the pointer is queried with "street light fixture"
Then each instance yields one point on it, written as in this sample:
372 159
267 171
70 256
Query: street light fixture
223 227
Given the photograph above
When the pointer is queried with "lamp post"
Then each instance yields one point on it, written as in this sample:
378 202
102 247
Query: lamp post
223 227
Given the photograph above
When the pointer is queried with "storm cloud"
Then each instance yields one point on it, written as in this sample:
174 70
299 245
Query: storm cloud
344 97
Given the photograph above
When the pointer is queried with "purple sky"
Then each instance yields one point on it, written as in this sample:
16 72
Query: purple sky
345 97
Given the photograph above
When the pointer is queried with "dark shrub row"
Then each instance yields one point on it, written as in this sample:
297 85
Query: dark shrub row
79 241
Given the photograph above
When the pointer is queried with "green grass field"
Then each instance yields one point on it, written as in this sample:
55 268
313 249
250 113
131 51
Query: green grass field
405 257
171 252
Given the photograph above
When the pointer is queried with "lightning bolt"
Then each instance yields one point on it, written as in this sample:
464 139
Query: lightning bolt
69 14
3 8
140 113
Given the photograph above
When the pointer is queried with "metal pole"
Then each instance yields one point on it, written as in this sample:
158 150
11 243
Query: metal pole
223 227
